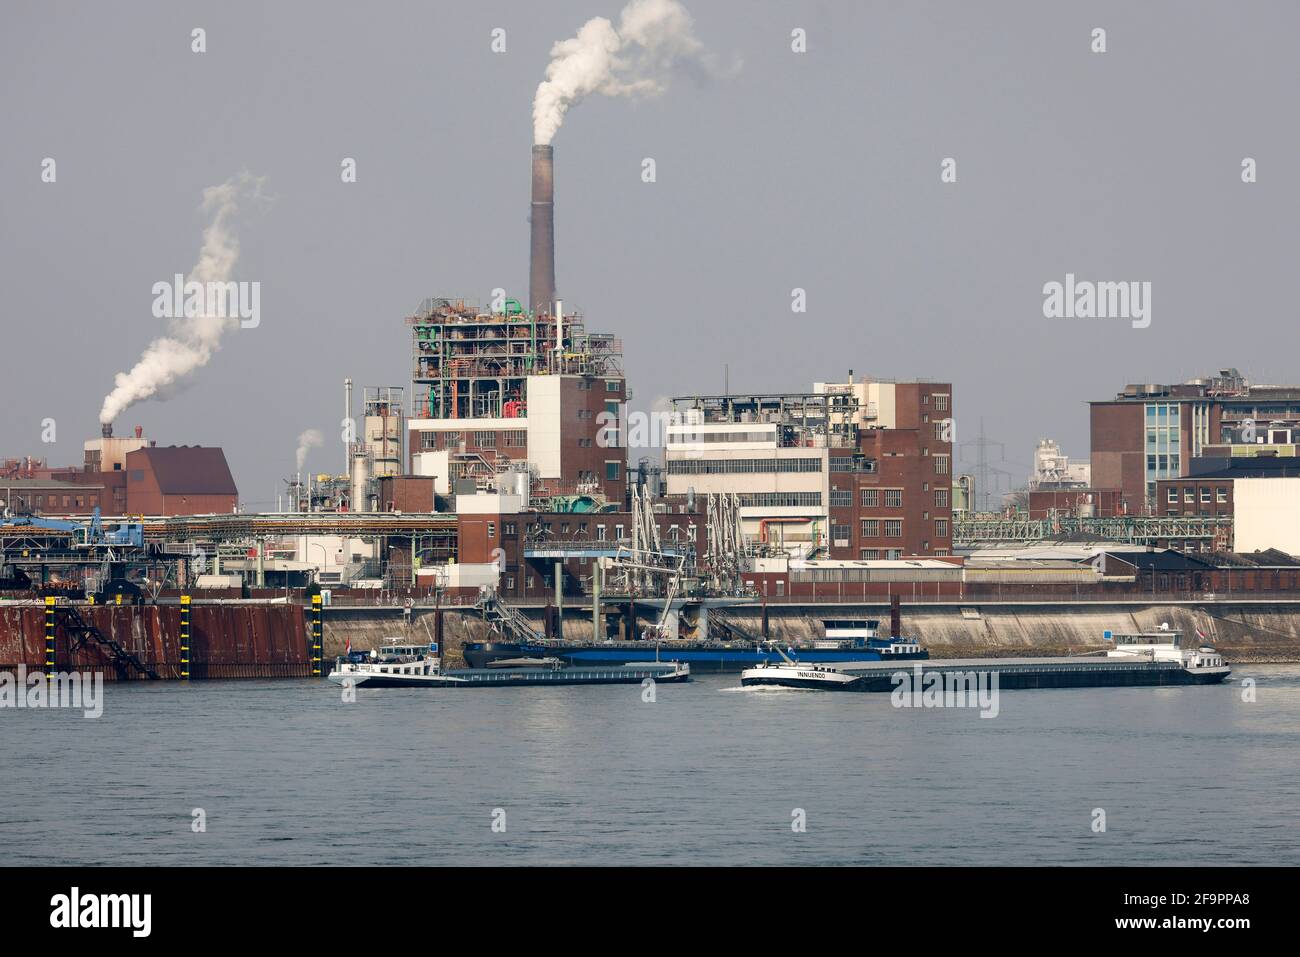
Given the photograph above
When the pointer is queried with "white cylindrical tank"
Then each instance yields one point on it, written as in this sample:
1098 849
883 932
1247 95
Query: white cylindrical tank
360 482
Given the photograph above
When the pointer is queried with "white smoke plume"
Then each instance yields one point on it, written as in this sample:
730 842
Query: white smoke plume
189 342
309 440
635 60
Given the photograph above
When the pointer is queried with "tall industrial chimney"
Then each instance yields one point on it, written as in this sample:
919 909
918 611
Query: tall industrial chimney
541 251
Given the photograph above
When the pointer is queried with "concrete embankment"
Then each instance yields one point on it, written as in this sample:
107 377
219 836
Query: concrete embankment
1244 631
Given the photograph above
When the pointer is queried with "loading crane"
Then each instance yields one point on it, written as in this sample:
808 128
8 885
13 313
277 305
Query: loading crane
83 535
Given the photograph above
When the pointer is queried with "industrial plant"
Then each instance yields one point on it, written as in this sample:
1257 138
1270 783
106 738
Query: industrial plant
498 483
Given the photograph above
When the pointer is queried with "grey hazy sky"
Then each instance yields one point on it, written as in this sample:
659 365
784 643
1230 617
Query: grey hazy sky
818 170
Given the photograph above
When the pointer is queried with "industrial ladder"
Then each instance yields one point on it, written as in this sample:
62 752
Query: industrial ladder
506 619
83 632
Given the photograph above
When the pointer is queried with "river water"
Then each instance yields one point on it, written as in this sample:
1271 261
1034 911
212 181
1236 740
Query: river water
286 772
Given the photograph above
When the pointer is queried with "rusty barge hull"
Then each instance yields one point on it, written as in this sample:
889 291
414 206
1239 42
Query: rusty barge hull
226 641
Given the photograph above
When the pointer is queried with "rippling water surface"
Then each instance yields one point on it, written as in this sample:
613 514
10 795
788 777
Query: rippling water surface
287 773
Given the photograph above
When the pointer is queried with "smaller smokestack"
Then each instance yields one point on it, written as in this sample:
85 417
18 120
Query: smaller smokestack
106 430
541 250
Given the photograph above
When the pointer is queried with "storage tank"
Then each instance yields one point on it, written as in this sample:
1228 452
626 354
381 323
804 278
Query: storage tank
359 500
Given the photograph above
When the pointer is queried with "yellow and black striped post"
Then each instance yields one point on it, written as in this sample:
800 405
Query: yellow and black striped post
49 636
185 637
315 636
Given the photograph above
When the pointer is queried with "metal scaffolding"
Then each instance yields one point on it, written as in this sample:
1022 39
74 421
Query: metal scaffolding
975 529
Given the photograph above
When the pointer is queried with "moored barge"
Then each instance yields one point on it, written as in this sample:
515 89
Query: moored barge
416 666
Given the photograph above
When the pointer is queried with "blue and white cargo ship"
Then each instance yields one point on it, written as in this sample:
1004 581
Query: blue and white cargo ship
846 640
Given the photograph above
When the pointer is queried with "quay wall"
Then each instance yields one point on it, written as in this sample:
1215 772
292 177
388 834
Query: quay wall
226 641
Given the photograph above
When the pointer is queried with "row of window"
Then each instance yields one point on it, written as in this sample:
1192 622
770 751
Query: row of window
781 499
893 527
682 438
731 466
850 463
1189 495
485 439
51 501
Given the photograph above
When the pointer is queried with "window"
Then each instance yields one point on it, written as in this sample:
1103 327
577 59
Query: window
485 440
941 403
941 465
515 439
893 498
841 533
1221 495
1189 494
870 498
841 498
612 385
1173 495
940 528
1205 495
611 471
941 498
869 554
731 466
428 440
600 533
893 528
618 533
871 528
781 499
508 528
492 529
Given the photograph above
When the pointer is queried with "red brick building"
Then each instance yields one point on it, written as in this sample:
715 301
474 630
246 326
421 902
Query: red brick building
896 499
1150 432
179 480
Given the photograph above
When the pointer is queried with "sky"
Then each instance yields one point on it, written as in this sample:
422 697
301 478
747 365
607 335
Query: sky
775 170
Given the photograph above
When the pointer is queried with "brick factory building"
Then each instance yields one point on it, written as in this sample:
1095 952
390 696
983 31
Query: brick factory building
1149 433
853 470
125 476
179 480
